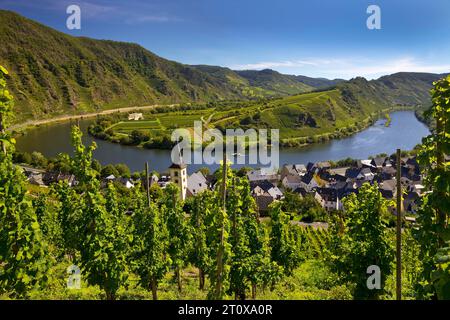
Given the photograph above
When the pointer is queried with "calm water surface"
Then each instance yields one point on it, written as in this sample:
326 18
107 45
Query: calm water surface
404 132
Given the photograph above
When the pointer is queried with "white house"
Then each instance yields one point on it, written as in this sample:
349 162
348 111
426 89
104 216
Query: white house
135 116
196 183
262 174
292 181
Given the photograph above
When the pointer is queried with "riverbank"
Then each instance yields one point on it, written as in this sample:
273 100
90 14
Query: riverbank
137 135
405 132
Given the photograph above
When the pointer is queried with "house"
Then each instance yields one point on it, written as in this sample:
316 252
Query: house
135 116
36 179
309 182
275 193
263 174
153 180
338 173
366 174
364 164
328 199
410 202
352 174
196 183
323 165
265 187
263 202
108 179
293 169
380 162
292 181
310 167
265 193
387 173
388 188
127 183
111 177
69 178
163 180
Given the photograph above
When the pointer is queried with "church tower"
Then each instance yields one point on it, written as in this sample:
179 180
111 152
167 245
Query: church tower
178 175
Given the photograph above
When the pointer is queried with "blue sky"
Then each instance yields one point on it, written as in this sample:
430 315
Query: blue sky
320 38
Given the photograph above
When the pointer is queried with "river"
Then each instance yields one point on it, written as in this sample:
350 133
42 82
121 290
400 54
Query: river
404 132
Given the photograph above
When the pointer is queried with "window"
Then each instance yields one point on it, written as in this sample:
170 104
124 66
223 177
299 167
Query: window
176 173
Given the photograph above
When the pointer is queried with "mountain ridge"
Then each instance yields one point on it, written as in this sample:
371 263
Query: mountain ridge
52 73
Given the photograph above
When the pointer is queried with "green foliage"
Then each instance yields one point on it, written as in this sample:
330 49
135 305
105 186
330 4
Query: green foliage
179 232
108 170
220 244
315 242
303 208
150 243
102 226
23 261
283 240
202 214
433 233
69 211
360 239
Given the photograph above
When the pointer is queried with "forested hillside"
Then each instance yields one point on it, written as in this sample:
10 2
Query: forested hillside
53 73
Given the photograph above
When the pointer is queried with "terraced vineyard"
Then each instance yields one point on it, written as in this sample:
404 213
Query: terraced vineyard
301 119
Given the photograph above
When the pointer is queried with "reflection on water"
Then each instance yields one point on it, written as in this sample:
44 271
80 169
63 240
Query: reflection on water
404 132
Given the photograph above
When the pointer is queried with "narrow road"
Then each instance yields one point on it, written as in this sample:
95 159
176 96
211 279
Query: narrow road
82 116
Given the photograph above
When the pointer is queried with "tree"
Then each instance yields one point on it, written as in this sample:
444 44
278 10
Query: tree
250 260
203 208
123 170
38 160
360 239
138 136
433 233
150 243
23 262
179 234
285 251
240 264
69 211
105 242
219 275
307 208
108 170
96 165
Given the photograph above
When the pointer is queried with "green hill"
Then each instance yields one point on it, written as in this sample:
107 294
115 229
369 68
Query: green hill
302 119
53 73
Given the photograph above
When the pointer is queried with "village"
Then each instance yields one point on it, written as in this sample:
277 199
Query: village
327 183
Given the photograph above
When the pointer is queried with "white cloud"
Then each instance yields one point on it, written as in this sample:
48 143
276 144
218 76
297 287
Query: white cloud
373 69
151 18
287 63
347 68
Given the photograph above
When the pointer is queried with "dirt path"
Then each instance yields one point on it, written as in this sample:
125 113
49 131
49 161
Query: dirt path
83 116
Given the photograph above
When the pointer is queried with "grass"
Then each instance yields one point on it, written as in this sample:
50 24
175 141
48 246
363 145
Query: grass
301 119
311 281
128 126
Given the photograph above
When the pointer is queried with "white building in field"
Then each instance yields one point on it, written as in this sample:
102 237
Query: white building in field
135 116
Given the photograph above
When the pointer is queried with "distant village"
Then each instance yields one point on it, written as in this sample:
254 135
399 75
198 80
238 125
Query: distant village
327 184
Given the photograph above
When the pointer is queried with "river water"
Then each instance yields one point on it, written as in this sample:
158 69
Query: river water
404 132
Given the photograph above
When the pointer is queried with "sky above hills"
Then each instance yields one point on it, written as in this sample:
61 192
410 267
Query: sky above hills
320 38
